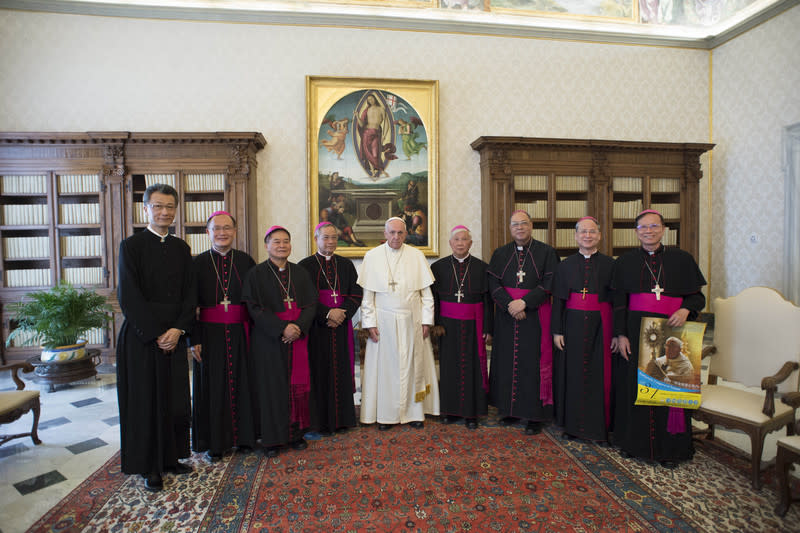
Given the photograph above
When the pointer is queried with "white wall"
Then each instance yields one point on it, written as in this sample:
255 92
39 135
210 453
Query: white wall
756 88
79 73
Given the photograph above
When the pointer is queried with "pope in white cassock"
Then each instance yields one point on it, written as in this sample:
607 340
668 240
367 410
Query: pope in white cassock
399 383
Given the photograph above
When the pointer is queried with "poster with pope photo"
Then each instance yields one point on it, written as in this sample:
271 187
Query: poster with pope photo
669 363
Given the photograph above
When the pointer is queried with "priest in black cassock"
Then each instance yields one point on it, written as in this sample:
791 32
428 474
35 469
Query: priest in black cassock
155 295
465 313
331 345
281 301
222 407
657 281
520 281
583 335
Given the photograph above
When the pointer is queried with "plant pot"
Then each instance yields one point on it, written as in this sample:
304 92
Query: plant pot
73 352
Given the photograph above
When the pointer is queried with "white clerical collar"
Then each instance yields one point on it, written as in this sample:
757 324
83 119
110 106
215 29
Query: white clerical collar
462 259
327 257
220 253
157 234
588 256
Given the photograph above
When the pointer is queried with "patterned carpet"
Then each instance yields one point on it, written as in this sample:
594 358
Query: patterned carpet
440 478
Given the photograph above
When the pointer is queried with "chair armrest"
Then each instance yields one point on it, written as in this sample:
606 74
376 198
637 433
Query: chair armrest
770 385
708 351
792 399
14 367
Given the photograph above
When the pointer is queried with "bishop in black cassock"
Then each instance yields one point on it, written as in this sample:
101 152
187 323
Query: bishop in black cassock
520 281
465 312
282 302
657 281
222 407
331 345
155 295
582 327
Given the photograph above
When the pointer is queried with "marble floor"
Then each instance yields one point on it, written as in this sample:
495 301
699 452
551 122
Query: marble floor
79 429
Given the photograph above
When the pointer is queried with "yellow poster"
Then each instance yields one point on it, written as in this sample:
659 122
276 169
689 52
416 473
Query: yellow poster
669 363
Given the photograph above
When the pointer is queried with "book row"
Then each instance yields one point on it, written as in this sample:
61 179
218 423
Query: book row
537 209
79 213
23 184
81 245
26 247
205 182
628 209
626 237
93 336
78 183
25 215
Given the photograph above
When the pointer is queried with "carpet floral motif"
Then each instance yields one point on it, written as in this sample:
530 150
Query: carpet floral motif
440 478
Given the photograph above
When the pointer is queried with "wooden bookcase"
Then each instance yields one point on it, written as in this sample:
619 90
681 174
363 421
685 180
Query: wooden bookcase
69 199
560 180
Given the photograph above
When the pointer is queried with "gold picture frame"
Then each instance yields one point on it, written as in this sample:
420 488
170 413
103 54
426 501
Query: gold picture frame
373 148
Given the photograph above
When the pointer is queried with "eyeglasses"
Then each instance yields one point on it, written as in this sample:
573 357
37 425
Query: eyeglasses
226 229
641 227
162 207
522 224
587 232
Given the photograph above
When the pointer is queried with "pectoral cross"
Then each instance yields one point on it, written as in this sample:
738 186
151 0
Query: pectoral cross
657 290
520 275
393 284
583 293
226 302
459 295
333 293
288 300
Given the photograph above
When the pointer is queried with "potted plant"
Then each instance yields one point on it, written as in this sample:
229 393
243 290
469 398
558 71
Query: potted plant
56 319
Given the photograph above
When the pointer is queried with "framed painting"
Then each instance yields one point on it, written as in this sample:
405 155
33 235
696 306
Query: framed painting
373 154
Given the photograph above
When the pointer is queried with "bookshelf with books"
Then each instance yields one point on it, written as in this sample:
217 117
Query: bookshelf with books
68 200
560 180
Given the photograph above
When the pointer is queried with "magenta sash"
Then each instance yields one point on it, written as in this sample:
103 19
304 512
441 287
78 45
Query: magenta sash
459 311
236 314
300 380
545 345
591 303
300 373
646 302
326 299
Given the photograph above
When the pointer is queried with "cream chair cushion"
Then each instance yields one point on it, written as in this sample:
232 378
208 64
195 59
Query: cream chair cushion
739 404
11 400
791 443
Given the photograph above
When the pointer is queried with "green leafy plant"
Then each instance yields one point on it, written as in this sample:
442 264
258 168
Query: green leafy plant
58 316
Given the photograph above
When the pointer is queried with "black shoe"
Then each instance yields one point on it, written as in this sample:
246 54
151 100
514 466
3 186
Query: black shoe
244 448
472 423
508 421
153 482
533 428
416 424
444 419
384 427
669 464
272 451
567 436
324 433
299 444
180 468
213 457
344 429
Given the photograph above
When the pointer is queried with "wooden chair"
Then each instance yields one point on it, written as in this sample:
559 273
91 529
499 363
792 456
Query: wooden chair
14 404
755 332
788 453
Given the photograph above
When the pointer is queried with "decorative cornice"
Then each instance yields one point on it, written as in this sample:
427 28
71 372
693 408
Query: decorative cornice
429 20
